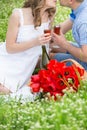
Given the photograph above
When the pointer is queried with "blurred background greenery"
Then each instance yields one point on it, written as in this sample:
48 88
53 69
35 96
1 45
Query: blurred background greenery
6 7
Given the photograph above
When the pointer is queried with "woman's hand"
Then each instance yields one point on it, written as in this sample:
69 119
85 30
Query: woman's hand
4 90
44 39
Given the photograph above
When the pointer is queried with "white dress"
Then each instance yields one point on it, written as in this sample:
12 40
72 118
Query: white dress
16 69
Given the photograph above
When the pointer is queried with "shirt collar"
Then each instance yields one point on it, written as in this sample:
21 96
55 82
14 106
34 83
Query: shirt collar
80 8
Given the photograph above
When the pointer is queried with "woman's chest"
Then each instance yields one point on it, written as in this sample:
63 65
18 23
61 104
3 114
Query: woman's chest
28 32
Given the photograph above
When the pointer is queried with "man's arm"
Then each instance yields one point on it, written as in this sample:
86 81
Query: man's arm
66 26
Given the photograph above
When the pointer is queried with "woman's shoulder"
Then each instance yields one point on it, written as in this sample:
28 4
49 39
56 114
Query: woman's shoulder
14 17
20 14
15 12
15 9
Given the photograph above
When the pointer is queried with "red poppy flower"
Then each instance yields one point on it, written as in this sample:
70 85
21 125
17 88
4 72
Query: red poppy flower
57 77
35 87
35 78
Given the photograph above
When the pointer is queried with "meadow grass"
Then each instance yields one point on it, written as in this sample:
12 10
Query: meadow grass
70 113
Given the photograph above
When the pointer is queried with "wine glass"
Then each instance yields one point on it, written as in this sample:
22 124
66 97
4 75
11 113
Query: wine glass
47 31
57 29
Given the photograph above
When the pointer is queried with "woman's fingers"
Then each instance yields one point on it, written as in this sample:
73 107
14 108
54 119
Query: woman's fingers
45 38
4 90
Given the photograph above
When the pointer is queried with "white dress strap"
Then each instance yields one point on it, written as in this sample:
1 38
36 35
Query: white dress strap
20 14
21 17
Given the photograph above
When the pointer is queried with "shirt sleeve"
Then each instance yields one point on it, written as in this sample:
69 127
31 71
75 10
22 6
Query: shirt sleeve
82 32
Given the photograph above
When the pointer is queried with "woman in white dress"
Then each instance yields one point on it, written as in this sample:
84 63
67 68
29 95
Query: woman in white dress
20 54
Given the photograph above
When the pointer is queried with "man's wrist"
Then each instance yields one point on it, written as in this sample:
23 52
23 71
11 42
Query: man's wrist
67 46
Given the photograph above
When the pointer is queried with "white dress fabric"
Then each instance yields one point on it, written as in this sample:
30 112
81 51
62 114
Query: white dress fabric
16 69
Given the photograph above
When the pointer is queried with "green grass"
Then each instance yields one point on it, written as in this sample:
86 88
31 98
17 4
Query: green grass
70 113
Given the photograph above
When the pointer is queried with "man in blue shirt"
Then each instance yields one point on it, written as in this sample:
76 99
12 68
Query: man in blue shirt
78 23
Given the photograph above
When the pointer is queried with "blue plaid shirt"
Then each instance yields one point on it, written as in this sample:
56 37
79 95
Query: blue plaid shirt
79 28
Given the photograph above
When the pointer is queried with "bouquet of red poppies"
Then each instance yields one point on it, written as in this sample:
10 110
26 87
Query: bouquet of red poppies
56 78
